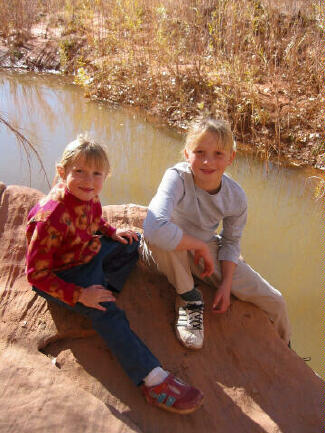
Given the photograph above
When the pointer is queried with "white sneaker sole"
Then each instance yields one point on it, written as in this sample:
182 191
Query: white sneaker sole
184 343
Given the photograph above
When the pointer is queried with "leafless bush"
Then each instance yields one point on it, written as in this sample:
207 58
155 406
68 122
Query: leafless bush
258 62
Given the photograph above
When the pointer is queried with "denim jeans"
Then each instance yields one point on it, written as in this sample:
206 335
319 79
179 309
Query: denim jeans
110 268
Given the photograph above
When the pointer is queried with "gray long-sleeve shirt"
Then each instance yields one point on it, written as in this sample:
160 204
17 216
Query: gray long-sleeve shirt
179 205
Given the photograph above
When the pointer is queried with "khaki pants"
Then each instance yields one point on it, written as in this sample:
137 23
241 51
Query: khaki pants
247 285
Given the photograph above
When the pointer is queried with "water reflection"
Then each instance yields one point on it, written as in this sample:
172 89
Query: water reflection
284 231
51 112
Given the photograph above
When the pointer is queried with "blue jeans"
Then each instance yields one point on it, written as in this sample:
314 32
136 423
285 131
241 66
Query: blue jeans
110 268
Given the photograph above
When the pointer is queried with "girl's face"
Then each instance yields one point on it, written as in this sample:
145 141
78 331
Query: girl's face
208 161
85 181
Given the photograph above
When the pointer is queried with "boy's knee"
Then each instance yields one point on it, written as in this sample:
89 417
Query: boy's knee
279 305
282 303
277 295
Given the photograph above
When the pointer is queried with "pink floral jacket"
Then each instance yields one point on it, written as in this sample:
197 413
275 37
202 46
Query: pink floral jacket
61 233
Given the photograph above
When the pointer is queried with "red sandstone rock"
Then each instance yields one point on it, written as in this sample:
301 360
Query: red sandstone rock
56 375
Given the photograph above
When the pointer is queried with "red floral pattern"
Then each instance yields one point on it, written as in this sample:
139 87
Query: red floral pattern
61 233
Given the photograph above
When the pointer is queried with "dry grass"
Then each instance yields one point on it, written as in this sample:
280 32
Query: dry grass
257 63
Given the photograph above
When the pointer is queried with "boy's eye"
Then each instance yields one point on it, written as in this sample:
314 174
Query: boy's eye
98 173
78 170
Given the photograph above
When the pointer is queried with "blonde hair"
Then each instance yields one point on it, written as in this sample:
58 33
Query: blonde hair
85 147
218 127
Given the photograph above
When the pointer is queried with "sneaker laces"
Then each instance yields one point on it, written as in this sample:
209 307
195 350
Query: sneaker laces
195 314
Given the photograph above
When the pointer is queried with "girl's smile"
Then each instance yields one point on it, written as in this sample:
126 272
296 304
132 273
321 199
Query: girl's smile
208 161
85 189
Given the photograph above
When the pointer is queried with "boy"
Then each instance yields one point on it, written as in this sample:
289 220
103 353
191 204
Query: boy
191 201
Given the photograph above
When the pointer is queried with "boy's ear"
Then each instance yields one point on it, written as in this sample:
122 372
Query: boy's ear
186 154
232 157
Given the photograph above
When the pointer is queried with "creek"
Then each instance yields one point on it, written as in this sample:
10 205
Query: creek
283 236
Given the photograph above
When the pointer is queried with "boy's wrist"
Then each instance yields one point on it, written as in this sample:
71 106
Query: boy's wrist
198 244
189 242
226 279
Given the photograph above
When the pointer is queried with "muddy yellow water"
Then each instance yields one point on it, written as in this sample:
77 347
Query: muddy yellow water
284 236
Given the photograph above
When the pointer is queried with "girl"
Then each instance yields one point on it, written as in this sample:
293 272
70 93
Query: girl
78 260
193 198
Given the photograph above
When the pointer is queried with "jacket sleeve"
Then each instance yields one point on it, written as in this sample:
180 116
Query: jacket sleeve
158 227
103 226
44 239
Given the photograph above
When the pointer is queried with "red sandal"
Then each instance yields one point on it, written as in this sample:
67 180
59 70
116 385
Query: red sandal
174 395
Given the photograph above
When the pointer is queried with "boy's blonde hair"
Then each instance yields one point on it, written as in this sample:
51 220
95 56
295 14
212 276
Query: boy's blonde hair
83 146
218 127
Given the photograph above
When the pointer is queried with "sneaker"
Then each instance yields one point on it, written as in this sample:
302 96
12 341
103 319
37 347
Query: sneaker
174 395
189 323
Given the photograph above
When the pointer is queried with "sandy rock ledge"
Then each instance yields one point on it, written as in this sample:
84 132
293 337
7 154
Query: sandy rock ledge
57 376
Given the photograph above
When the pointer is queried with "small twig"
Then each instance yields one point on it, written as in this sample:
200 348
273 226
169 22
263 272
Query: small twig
27 146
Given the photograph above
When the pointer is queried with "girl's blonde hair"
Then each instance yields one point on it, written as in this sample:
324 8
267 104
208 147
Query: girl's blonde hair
85 147
218 127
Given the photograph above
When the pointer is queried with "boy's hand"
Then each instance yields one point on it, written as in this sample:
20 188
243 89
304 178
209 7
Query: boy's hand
201 252
221 300
204 254
121 234
222 297
92 296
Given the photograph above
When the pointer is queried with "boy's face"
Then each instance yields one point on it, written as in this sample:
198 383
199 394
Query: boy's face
85 181
208 161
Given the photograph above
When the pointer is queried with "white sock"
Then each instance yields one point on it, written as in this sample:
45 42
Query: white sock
155 377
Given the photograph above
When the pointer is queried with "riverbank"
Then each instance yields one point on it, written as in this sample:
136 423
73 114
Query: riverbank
262 71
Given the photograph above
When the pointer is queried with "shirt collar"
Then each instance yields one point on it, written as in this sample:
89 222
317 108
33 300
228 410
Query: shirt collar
67 197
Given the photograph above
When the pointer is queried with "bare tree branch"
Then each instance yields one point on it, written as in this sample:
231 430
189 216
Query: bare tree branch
27 146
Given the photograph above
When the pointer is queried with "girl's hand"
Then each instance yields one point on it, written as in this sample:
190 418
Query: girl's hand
121 234
92 296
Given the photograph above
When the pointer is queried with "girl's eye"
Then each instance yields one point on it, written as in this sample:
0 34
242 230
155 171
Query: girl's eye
98 173
78 170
